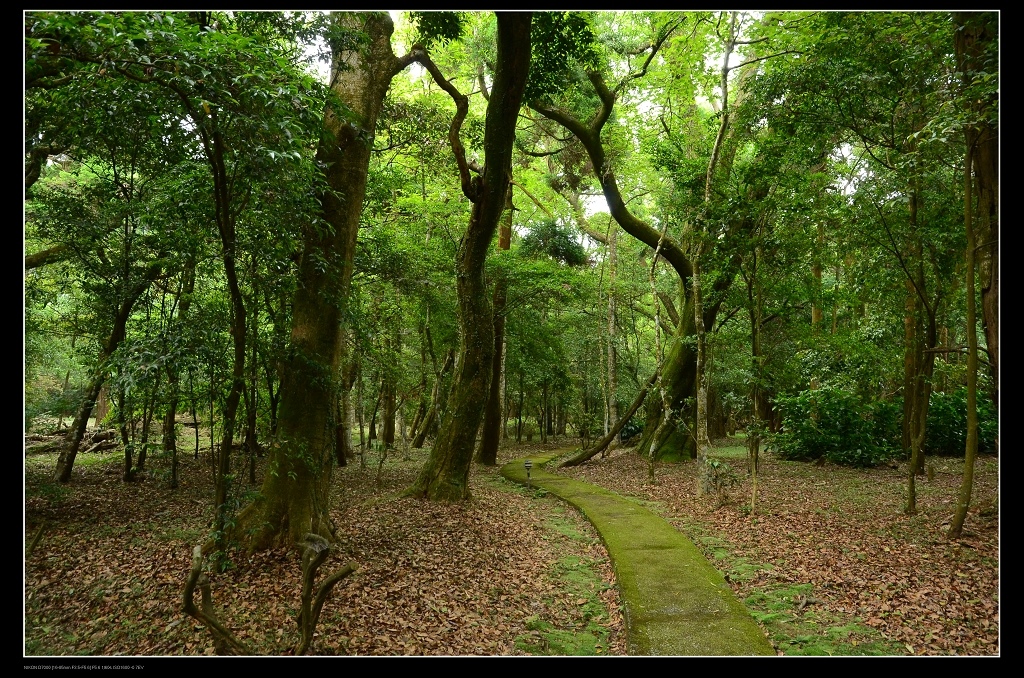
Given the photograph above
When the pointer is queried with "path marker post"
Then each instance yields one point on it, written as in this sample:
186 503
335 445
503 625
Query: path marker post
528 464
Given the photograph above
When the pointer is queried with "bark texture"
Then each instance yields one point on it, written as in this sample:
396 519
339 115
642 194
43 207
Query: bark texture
445 476
294 500
491 435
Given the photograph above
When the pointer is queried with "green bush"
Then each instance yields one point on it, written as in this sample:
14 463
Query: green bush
946 434
836 424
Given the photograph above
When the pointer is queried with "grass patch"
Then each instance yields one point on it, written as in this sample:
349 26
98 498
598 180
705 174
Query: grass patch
790 614
578 627
581 630
730 452
798 626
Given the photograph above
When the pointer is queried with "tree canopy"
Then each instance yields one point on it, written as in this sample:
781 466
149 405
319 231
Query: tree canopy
760 217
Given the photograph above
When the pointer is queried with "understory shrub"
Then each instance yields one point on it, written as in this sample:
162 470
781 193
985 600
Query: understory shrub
838 425
946 434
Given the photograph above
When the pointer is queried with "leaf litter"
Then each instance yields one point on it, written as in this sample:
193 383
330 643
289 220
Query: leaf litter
837 543
107 574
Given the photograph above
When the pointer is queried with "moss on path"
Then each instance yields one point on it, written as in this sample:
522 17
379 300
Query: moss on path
675 602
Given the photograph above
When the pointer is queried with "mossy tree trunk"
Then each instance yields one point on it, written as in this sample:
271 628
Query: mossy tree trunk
445 476
294 497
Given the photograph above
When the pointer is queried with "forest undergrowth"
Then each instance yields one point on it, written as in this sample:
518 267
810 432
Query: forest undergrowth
829 563
509 572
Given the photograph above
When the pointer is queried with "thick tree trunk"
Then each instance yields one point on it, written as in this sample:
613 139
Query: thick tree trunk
446 474
294 498
977 33
679 379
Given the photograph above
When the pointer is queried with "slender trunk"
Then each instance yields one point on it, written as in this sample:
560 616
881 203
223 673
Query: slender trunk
491 433
975 40
519 411
445 476
613 381
503 389
703 444
602 444
170 433
251 399
388 417
910 368
147 421
359 412
963 501
66 458
435 400
758 410
127 442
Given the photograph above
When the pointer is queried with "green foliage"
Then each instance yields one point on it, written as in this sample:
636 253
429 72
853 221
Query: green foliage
719 475
438 27
550 238
946 432
563 43
836 424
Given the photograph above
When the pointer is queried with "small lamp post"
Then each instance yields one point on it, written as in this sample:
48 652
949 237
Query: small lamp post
528 464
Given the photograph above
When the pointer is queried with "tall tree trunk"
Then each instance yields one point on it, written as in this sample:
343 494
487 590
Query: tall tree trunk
963 501
435 401
703 444
613 380
491 434
910 363
226 225
294 497
976 40
388 396
445 476
170 432
975 34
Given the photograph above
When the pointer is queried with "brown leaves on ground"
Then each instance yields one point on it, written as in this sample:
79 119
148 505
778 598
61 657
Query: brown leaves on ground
844 532
107 574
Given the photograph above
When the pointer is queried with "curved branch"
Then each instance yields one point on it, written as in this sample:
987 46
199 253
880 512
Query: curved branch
419 55
47 256
591 140
223 638
603 443
655 47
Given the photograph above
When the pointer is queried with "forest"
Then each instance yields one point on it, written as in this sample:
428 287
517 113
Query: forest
297 285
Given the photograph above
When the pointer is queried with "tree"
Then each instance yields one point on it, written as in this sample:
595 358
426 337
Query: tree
974 41
294 497
445 476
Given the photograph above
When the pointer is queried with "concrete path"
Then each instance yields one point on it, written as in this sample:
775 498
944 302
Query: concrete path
675 602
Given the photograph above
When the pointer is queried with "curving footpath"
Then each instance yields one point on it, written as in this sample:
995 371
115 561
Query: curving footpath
675 602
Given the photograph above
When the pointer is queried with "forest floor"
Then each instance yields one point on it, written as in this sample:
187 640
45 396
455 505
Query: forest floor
828 563
510 572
